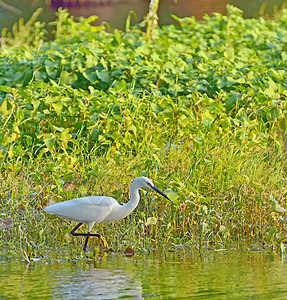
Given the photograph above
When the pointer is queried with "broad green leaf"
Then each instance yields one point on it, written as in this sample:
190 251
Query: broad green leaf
151 221
4 109
91 61
197 139
183 120
5 89
90 75
173 196
104 76
229 54
282 124
284 56
208 118
222 229
205 199
272 231
68 78
65 135
279 237
49 143
277 208
58 106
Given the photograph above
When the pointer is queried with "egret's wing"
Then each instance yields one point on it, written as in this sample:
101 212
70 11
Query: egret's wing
85 210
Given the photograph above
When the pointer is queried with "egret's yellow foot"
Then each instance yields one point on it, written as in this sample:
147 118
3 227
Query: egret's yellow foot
104 242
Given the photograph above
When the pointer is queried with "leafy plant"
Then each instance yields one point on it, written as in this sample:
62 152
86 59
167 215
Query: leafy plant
31 33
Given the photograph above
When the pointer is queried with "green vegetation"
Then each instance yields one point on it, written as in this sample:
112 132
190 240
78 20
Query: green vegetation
200 109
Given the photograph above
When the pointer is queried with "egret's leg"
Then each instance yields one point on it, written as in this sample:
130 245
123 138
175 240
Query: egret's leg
86 241
73 232
87 235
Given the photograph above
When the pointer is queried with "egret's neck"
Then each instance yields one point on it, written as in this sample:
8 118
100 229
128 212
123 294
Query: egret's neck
133 202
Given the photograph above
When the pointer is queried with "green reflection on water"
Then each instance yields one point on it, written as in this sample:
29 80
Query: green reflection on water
217 275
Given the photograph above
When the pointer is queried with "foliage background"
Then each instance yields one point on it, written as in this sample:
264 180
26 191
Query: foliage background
200 108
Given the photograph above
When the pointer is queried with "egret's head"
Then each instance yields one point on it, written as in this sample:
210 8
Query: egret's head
144 182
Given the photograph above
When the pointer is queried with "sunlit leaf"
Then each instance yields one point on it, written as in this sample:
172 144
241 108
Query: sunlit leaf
183 120
104 76
229 54
4 109
65 135
272 231
173 196
277 208
50 143
58 106
151 221
67 78
279 237
282 124
222 229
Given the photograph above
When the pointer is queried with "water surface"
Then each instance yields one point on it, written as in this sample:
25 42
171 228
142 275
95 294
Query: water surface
217 275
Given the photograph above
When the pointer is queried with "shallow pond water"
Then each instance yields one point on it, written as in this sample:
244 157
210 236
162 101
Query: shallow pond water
217 275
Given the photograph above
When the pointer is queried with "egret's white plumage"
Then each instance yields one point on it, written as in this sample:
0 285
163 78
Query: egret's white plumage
100 209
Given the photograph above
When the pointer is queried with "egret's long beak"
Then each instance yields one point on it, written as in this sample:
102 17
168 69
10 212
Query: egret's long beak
160 192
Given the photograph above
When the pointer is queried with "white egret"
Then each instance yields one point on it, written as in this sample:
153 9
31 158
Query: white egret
100 209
